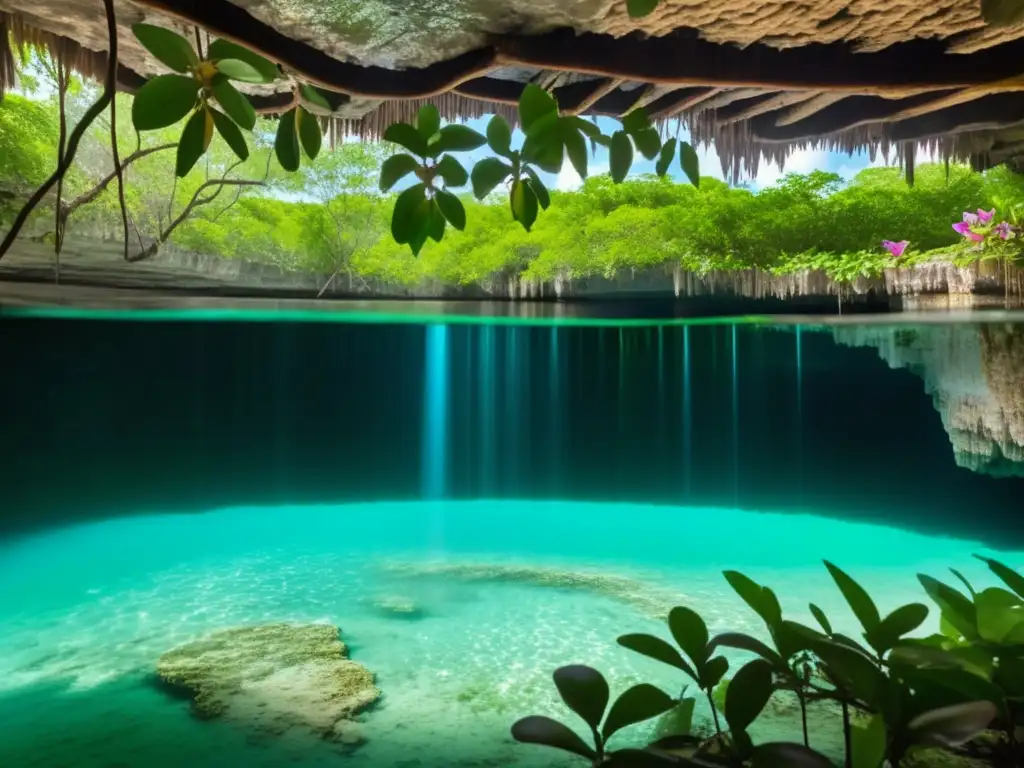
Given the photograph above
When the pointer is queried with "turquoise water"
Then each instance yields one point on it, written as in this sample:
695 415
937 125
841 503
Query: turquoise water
492 596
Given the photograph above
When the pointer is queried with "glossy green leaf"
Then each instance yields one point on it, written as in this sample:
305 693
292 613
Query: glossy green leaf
665 157
584 691
689 162
621 156
223 49
395 168
286 143
543 198
452 172
999 614
956 609
524 204
720 694
749 691
487 174
575 147
193 143
456 138
310 134
659 650
760 599
713 672
849 642
963 580
869 743
163 101
584 126
900 622
648 142
535 103
410 214
236 69
436 223
551 733
953 726
748 643
167 46
1002 13
428 121
821 618
690 633
235 104
499 135
779 754
452 209
312 96
857 598
230 133
406 136
545 150
637 9
852 671
1010 577
636 121
639 703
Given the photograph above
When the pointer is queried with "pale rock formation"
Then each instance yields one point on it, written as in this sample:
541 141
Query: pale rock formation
273 678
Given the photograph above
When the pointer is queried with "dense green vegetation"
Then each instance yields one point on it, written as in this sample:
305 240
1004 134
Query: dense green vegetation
330 218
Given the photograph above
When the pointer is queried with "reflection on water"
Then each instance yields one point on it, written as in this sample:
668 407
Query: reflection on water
471 505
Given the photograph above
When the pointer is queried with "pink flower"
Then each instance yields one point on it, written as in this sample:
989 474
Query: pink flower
964 228
896 249
970 218
986 216
1004 230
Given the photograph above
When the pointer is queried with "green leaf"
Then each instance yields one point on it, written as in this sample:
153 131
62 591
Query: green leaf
223 49
1010 577
584 691
749 691
821 618
690 633
963 580
193 143
852 671
869 743
551 733
748 643
953 726
714 671
237 69
309 132
313 96
639 8
956 609
575 147
534 104
395 168
235 104
860 602
428 121
900 622
678 721
286 144
452 209
999 614
648 142
761 599
499 136
406 136
1002 13
487 174
230 133
587 128
668 151
452 172
636 121
163 101
411 213
524 204
538 188
436 223
639 703
168 47
621 156
545 149
778 754
689 162
456 138
657 649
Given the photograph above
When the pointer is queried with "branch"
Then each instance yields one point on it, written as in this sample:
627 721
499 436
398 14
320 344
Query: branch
92 194
76 135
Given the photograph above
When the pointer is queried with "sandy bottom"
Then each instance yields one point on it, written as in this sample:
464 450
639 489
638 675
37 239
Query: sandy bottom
462 611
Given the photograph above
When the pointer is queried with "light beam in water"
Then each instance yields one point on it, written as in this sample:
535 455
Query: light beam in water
735 420
435 413
487 401
687 407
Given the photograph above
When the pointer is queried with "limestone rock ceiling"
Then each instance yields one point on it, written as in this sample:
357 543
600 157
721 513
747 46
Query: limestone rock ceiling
758 77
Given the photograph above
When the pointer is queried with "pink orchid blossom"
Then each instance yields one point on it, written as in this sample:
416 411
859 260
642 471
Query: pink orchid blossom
896 249
964 228
1004 230
986 216
970 219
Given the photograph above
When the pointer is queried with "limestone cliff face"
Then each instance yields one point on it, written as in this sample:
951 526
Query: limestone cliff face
975 375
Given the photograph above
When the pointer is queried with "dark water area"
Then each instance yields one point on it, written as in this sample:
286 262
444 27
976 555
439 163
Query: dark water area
105 419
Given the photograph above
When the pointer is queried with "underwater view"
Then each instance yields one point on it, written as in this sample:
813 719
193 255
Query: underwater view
196 512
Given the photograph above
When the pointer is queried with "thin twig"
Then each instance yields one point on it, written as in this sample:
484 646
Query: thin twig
199 43
76 135
92 194
58 212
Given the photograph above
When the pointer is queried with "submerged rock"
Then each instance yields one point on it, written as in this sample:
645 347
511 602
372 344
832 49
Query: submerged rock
273 678
397 606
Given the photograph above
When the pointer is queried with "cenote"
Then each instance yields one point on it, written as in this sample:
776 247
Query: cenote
194 510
